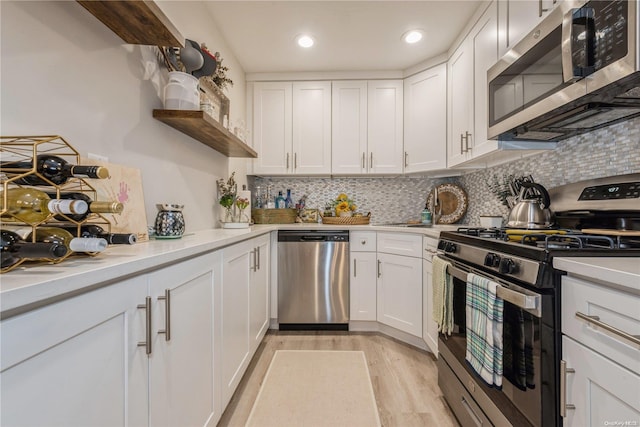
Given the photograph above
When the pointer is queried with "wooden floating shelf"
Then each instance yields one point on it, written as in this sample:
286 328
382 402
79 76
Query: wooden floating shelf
199 125
136 22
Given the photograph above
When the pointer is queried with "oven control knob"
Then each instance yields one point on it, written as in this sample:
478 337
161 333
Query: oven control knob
492 260
450 247
507 266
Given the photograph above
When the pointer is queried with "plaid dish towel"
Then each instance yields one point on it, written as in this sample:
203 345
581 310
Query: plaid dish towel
484 312
442 294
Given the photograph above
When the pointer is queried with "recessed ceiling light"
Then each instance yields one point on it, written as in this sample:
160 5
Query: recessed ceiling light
413 36
305 41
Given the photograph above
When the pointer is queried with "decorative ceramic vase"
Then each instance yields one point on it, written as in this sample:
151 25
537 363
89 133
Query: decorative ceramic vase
169 221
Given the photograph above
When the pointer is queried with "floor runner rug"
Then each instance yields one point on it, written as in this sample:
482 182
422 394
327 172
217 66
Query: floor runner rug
309 388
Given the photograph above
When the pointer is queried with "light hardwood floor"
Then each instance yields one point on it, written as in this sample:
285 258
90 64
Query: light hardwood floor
405 379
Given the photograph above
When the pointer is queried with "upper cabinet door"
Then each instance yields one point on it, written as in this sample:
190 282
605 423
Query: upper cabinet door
460 104
518 17
484 41
311 153
272 128
425 120
349 127
385 131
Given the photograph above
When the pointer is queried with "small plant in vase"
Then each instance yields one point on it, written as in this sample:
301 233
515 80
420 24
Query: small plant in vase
242 204
227 192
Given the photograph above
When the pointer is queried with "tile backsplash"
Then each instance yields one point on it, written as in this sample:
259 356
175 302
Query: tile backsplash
614 150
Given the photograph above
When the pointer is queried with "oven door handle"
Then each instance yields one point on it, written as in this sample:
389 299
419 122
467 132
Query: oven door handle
524 301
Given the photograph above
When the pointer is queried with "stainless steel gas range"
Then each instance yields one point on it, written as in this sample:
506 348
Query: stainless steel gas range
592 218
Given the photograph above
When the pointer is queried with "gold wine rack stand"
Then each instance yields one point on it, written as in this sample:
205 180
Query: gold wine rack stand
14 149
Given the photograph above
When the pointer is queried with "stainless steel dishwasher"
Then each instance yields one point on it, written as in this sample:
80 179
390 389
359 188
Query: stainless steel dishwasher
313 279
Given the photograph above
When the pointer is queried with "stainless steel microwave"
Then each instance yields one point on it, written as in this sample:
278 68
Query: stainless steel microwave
577 71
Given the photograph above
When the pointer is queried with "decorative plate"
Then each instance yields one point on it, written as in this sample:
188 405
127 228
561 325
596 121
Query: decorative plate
452 202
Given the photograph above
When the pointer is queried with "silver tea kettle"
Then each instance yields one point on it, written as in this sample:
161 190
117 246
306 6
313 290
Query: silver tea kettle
531 211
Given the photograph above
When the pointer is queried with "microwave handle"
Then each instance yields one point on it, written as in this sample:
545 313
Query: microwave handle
572 71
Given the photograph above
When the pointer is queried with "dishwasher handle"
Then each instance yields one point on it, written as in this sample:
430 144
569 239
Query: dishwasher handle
313 238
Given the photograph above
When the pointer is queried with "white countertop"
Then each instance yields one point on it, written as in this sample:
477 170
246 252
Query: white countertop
38 284
619 272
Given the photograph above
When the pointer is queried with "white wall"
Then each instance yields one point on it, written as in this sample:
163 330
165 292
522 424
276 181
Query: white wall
65 73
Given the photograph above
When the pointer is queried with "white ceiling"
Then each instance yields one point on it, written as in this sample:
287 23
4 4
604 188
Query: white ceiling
349 35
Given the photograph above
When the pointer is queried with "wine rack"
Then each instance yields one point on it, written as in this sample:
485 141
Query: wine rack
14 149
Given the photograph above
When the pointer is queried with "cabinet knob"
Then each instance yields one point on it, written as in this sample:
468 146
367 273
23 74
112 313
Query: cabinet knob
364 242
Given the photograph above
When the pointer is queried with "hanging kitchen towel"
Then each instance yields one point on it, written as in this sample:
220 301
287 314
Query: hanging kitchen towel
484 311
442 296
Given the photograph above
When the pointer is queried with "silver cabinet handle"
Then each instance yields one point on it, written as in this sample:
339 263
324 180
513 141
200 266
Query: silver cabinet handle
541 10
287 160
466 141
258 258
563 388
613 332
354 268
406 159
371 161
363 242
477 421
379 269
363 160
147 307
167 314
255 264
295 160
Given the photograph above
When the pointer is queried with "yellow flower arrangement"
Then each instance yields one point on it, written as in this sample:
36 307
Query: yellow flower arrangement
343 204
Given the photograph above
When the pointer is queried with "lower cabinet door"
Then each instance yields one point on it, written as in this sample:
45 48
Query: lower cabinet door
259 290
362 286
77 362
235 336
399 280
182 384
602 391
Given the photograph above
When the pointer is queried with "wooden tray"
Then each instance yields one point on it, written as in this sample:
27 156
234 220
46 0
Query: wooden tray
346 220
274 216
452 203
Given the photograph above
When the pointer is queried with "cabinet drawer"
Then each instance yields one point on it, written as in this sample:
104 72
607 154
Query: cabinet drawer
612 307
400 244
362 241
430 247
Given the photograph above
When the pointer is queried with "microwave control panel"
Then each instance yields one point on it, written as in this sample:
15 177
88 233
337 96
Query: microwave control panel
611 31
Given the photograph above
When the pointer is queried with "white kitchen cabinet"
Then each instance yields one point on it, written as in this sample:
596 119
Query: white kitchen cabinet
429 326
460 117
385 126
235 336
77 362
600 327
349 150
259 290
400 292
272 137
425 120
182 371
518 17
244 310
292 128
399 281
367 127
362 285
311 149
601 391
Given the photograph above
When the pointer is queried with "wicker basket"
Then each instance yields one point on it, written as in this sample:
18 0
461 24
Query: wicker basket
274 216
345 220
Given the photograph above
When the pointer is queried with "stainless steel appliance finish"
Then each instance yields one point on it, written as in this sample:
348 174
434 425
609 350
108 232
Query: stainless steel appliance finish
313 279
532 294
577 71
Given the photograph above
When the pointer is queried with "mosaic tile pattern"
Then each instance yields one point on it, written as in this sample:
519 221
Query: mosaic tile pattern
614 150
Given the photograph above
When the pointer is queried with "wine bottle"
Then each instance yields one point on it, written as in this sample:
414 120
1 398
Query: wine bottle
31 206
63 237
280 204
55 169
13 249
94 206
94 230
288 202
